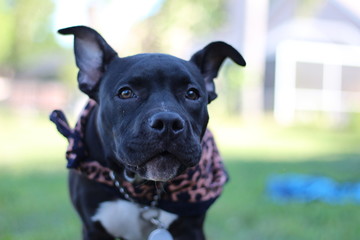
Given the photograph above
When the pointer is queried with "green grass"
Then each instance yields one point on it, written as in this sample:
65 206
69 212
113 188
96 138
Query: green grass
34 202
35 205
245 212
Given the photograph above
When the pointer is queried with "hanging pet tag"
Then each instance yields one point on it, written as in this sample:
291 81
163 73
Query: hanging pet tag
160 234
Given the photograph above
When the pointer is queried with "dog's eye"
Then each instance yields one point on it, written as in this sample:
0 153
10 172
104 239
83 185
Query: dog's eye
192 94
125 93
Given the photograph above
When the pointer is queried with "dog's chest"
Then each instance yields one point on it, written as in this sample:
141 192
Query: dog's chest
125 219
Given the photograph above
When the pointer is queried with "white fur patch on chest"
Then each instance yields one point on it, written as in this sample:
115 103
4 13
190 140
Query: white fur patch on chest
123 219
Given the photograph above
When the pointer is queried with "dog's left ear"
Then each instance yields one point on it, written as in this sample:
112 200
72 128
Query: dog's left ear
209 60
92 54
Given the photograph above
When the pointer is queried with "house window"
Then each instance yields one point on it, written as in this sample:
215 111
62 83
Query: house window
316 77
309 75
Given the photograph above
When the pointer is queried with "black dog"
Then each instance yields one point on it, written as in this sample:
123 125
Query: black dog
143 164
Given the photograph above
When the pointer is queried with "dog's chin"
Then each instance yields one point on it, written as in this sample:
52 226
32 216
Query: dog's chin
162 167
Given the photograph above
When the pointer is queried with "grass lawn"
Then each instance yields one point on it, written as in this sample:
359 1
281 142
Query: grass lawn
34 201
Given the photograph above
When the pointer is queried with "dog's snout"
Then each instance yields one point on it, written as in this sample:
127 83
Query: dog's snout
167 122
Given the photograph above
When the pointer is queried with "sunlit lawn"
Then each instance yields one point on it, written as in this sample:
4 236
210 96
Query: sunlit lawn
34 201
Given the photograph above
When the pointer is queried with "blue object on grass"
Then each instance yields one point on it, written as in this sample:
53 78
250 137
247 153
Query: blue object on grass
305 188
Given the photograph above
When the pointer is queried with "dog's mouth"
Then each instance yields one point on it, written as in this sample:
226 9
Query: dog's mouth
161 167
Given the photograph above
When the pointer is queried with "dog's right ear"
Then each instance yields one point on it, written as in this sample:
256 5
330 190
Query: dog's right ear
92 55
209 60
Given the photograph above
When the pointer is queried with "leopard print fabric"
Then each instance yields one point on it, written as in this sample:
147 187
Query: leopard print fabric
193 191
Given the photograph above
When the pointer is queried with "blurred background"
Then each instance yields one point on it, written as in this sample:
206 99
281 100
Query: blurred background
294 109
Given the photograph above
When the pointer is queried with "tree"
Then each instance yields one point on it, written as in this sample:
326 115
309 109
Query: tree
25 32
178 22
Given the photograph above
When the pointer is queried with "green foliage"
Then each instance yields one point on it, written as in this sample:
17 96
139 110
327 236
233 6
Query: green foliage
199 16
228 87
25 31
6 28
180 20
307 8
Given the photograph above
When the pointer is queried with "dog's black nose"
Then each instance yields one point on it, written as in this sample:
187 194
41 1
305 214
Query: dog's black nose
167 122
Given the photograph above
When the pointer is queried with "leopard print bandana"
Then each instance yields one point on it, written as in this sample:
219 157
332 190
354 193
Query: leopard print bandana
190 193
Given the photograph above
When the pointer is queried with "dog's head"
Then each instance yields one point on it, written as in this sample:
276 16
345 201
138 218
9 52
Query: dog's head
152 110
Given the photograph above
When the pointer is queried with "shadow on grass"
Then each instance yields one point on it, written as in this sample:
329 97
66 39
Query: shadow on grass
34 204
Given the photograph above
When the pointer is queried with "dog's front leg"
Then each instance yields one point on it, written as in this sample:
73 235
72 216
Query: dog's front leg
185 228
95 235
